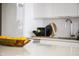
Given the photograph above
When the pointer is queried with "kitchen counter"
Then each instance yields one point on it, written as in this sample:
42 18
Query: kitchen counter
39 49
63 39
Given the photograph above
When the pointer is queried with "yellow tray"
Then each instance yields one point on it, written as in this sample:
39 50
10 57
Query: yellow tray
13 41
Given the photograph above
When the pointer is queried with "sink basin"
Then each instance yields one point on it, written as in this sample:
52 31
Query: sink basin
64 38
42 37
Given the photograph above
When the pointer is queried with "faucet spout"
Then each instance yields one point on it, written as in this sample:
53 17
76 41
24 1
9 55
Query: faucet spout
68 19
71 27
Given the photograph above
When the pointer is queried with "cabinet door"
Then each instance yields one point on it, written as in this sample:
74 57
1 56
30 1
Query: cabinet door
65 9
55 9
78 9
0 17
39 10
12 17
49 10
9 19
43 10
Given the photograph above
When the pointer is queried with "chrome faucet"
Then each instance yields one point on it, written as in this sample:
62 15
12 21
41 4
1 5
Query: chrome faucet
68 19
71 27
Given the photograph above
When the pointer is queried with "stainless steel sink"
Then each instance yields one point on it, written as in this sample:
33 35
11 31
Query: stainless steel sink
64 38
69 38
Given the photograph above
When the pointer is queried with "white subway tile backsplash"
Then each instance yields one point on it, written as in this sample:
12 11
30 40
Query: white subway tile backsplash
63 31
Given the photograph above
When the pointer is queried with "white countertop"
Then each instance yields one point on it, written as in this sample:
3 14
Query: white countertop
32 49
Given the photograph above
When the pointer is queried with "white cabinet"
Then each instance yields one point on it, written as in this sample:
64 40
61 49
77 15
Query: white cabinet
43 10
39 10
78 9
11 19
55 9
65 9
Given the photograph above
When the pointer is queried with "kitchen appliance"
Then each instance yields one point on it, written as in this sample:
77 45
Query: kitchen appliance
40 31
49 30
78 35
